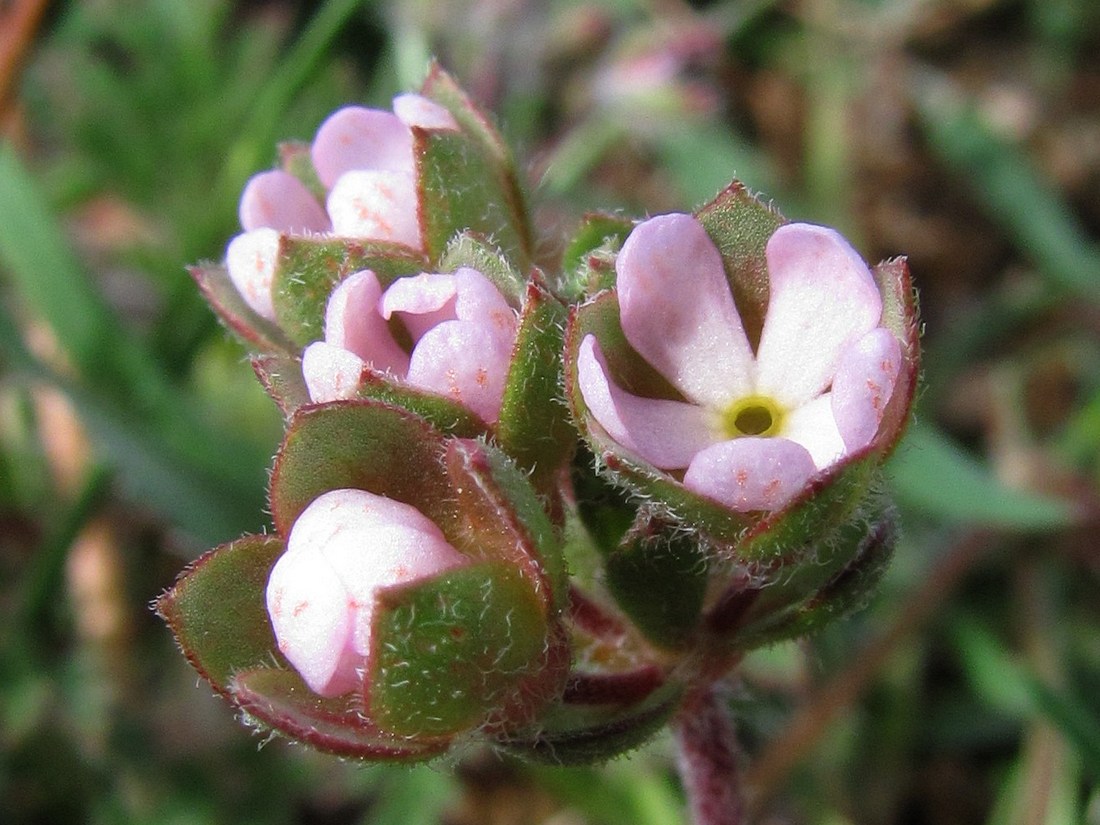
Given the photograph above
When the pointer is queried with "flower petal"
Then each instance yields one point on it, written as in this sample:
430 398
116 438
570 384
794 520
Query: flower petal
865 381
417 110
822 297
464 361
279 200
479 300
251 259
677 310
376 205
665 433
421 301
466 295
748 474
352 321
379 542
812 425
344 547
308 608
359 138
331 373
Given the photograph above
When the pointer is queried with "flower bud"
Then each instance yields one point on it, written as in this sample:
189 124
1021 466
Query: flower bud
462 332
365 163
412 594
344 548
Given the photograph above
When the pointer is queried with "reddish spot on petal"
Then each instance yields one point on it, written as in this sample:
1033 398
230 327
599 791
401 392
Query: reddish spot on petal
299 608
452 382
876 393
502 319
742 478
482 377
771 489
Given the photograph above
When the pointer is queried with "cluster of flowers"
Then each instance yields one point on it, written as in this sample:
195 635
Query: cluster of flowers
453 552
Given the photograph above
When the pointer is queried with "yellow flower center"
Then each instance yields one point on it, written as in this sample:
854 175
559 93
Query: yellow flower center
756 415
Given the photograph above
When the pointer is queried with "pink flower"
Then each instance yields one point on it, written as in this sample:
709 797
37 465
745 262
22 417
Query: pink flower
757 420
365 162
344 548
461 330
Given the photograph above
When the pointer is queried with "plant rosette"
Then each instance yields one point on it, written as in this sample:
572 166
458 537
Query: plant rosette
745 377
412 594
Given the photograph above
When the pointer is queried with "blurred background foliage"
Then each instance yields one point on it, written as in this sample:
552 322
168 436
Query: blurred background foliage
964 133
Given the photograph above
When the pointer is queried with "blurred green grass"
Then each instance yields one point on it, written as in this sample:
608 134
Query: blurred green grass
964 134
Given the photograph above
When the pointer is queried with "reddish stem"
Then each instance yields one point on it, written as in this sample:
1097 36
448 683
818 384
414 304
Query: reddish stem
708 758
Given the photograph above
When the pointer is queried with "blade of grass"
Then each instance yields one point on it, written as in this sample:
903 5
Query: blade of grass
932 474
203 504
1011 686
1008 186
36 256
42 580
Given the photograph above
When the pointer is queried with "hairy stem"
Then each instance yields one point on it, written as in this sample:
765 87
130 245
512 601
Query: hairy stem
708 758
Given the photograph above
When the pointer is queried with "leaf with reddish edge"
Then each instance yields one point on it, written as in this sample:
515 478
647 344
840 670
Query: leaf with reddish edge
533 693
461 190
308 269
442 88
759 593
534 426
841 586
453 648
658 576
786 536
216 609
365 445
740 226
576 734
281 377
497 517
899 315
599 232
441 412
850 588
255 331
280 700
475 251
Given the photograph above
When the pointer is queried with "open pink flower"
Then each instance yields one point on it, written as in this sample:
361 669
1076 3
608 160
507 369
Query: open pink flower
321 594
755 423
365 162
461 329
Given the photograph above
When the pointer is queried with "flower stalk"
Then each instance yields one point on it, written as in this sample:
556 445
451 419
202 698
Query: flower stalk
708 758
